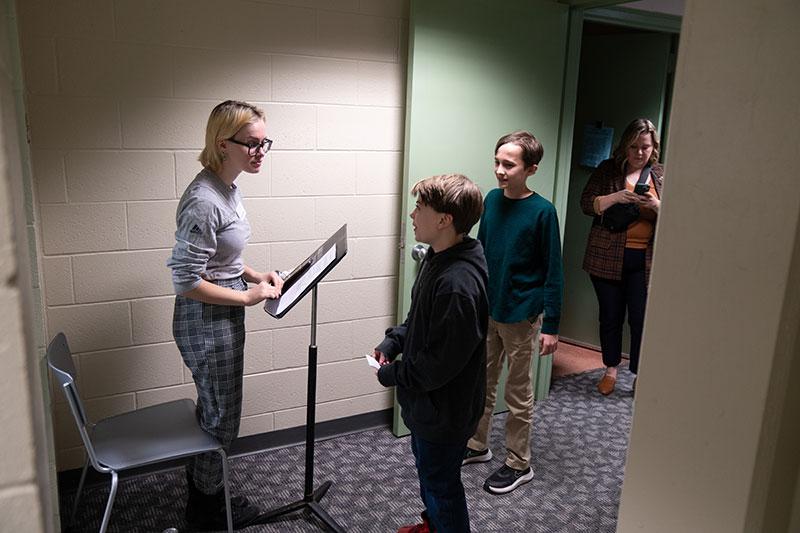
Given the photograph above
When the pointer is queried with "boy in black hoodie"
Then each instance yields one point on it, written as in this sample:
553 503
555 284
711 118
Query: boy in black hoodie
441 379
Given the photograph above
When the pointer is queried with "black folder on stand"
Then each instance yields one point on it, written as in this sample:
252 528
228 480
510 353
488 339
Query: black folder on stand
308 273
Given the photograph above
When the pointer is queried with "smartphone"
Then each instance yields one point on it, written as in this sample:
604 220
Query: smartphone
641 188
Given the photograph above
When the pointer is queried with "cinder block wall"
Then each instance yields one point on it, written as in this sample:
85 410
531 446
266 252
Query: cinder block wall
117 96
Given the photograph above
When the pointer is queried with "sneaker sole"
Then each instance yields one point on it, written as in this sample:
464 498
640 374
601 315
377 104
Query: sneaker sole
504 490
478 459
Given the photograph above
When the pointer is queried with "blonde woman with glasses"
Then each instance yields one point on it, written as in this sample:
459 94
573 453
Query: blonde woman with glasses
212 286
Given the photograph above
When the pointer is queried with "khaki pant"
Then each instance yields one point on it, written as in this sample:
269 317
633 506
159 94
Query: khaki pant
516 342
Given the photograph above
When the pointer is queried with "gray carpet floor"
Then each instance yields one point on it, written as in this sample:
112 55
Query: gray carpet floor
579 444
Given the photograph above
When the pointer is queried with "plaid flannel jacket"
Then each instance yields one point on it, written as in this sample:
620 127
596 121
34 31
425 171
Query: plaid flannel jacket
604 249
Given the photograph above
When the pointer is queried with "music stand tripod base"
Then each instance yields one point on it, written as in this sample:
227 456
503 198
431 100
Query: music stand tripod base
309 504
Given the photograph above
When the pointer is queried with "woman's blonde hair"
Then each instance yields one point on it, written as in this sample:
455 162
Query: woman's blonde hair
629 136
225 120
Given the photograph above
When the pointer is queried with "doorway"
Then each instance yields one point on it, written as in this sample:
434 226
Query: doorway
625 73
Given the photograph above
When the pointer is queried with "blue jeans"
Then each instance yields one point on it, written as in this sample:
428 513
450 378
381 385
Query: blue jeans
439 471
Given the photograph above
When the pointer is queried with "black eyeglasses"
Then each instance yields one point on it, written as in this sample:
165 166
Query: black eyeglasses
254 147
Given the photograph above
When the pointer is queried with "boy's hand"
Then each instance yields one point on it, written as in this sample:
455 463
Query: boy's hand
547 343
381 358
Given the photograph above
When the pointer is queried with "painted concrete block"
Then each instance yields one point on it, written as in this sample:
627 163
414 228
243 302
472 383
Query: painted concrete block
130 369
46 19
358 36
254 425
39 65
241 75
151 224
143 69
314 80
58 122
375 256
58 280
292 126
258 352
148 397
118 176
74 228
360 128
49 176
280 219
379 172
362 298
121 276
381 84
151 320
91 327
313 174
163 124
281 389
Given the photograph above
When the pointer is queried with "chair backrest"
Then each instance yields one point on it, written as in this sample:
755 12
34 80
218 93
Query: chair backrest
59 359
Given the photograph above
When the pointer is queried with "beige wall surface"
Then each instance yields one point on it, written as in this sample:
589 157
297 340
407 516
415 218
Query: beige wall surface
22 466
713 411
117 96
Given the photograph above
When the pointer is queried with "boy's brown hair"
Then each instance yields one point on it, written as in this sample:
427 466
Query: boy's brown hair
454 194
532 149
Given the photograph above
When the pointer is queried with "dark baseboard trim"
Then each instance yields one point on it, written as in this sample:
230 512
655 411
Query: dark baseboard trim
580 344
68 479
588 346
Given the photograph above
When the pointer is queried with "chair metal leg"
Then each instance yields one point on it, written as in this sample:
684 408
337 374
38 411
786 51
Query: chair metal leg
78 494
227 489
107 514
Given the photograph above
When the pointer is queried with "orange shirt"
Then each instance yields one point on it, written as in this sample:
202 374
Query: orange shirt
640 232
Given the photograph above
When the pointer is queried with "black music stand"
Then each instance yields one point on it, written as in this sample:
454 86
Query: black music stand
301 280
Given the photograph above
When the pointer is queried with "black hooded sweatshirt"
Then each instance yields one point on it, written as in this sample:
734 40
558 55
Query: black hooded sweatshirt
441 378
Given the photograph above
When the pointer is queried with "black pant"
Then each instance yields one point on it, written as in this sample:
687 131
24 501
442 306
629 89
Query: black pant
614 296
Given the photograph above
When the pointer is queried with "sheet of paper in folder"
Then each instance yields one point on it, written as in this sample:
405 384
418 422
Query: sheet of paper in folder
306 278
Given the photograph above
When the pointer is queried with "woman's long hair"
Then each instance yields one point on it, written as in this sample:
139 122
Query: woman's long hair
629 136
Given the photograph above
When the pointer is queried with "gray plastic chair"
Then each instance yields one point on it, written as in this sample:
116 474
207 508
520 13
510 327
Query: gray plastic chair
151 435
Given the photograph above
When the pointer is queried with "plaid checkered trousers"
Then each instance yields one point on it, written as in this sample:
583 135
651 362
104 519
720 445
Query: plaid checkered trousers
211 341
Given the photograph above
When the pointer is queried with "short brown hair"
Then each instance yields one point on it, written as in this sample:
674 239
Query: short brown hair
453 194
532 149
629 136
225 120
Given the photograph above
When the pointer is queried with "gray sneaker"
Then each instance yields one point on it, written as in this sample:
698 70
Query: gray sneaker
506 479
475 456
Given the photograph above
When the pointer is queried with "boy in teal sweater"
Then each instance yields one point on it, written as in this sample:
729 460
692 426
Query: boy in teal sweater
520 236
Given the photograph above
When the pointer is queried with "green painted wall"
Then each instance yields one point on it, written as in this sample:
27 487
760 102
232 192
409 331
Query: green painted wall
478 70
622 77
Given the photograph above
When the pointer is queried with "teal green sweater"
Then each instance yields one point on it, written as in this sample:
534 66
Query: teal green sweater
523 252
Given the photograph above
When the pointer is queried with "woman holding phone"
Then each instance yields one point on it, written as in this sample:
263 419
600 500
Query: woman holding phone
618 262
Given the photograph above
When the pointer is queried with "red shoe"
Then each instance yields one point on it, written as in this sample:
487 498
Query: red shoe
424 527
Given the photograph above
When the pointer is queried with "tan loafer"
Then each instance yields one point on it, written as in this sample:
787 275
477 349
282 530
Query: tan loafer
606 384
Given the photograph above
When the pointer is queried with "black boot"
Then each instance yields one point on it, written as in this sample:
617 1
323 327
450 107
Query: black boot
198 507
206 512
